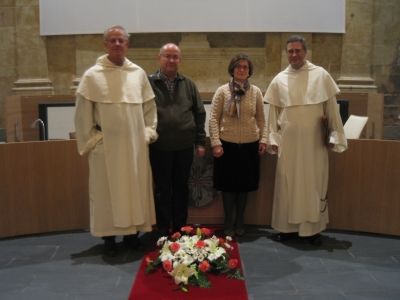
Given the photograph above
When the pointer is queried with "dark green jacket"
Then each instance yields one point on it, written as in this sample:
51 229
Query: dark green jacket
181 117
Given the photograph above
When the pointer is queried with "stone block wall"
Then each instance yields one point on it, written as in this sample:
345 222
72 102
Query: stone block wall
386 62
365 58
7 52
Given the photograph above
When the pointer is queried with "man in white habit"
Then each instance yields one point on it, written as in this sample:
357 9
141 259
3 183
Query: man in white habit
303 105
115 120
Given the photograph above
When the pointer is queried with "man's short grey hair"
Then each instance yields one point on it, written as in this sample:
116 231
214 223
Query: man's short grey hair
297 38
119 27
168 45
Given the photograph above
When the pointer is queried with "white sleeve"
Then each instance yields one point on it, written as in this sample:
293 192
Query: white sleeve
85 127
337 137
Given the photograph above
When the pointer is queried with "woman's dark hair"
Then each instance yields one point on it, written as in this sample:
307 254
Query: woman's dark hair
235 61
297 38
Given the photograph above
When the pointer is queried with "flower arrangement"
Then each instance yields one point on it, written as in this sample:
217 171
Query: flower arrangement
190 255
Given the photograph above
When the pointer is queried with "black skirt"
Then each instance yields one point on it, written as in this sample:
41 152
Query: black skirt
238 170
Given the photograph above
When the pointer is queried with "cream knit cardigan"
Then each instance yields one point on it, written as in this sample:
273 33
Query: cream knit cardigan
247 128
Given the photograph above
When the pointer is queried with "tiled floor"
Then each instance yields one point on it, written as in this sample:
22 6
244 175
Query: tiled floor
346 266
71 266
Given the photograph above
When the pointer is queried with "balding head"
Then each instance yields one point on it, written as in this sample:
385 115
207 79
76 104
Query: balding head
170 59
169 46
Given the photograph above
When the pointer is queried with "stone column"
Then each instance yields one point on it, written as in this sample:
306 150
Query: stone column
32 68
355 74
87 49
7 57
273 55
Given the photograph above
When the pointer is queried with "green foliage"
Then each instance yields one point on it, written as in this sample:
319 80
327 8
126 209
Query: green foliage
152 266
200 279
235 274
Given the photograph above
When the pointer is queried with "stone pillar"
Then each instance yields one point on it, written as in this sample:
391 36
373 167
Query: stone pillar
273 54
355 74
7 57
32 68
87 49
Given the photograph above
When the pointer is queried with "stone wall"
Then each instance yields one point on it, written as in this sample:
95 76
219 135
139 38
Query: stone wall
386 62
366 58
8 72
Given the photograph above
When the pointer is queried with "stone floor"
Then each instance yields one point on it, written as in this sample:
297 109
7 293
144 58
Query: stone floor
71 266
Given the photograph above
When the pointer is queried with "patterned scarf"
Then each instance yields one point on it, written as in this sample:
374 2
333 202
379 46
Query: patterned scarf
237 91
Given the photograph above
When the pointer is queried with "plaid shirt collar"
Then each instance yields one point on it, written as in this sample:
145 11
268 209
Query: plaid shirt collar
170 83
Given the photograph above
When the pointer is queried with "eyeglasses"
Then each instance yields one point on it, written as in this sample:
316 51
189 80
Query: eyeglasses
244 67
170 57
116 41
295 51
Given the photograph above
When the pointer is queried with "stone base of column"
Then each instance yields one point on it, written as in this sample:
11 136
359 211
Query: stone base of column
33 86
356 84
75 84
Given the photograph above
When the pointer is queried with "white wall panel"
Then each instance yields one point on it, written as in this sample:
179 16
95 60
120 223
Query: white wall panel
59 17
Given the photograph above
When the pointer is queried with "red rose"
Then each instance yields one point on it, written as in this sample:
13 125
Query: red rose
176 236
200 244
148 260
187 229
206 231
232 263
204 266
174 247
167 265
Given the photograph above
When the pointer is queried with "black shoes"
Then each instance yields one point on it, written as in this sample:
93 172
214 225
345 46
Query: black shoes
283 237
315 240
131 241
110 247
240 231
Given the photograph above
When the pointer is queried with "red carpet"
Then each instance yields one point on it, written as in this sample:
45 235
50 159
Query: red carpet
160 286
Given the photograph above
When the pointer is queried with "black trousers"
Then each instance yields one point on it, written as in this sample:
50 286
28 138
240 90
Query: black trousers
171 171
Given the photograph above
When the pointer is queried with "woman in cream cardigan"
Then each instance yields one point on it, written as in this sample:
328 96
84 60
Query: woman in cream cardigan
238 138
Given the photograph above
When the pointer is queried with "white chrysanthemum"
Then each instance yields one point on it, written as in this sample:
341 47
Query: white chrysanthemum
187 260
161 241
184 239
166 256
